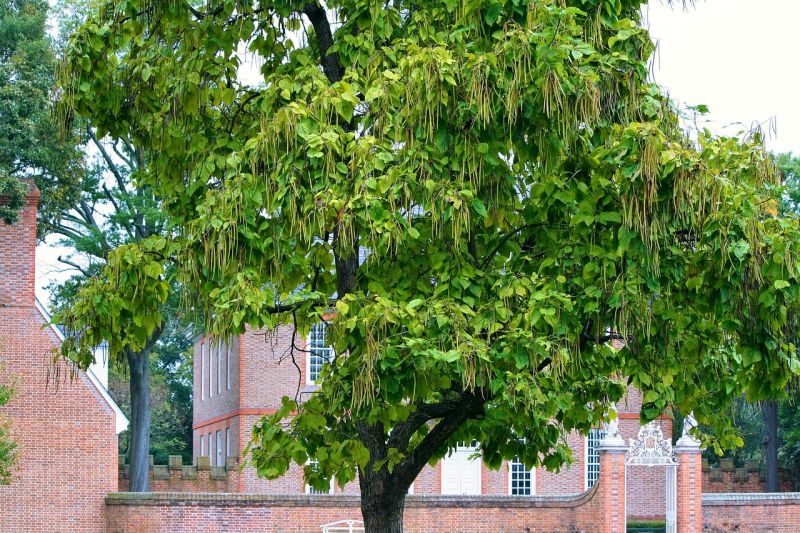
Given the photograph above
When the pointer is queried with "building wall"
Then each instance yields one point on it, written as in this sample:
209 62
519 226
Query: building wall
267 369
65 429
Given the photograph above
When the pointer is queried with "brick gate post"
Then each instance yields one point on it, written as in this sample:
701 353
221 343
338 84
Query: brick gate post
690 480
612 450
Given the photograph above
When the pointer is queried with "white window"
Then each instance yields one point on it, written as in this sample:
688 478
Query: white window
220 347
212 349
203 350
202 446
461 471
220 459
228 442
210 447
319 352
312 490
593 456
228 365
521 481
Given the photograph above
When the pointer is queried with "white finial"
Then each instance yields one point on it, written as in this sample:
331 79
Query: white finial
688 440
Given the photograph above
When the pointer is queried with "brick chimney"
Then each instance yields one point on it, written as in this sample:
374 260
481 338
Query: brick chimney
18 254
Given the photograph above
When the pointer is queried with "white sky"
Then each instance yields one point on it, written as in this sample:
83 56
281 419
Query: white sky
741 58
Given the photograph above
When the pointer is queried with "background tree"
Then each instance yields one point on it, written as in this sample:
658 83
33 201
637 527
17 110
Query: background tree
8 447
89 200
523 195
30 145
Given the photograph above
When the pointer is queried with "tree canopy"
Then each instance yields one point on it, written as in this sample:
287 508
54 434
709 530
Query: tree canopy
519 190
30 145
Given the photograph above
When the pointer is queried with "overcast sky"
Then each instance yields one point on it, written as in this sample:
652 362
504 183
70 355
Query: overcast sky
741 58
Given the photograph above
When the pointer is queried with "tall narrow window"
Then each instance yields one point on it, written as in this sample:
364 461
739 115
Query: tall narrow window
202 446
520 479
220 347
228 442
228 364
593 456
319 352
211 354
203 350
220 461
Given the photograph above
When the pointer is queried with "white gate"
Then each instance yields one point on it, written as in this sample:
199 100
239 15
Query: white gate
650 448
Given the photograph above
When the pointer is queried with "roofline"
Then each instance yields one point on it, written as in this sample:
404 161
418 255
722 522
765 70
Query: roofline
121 421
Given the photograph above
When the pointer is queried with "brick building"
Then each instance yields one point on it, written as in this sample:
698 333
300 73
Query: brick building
66 429
237 382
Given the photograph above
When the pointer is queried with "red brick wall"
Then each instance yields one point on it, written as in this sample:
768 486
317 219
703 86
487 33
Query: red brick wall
749 479
300 514
773 513
179 478
66 434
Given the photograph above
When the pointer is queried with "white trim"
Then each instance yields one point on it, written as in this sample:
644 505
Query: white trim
533 481
121 421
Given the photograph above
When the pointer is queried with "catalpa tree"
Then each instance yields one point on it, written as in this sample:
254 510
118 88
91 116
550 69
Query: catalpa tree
522 194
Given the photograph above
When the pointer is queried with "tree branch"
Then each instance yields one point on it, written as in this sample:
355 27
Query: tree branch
76 266
330 62
472 406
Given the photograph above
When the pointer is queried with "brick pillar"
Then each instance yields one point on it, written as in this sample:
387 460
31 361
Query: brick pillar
611 489
690 481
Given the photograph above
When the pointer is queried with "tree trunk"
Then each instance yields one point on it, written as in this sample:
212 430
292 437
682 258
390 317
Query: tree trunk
769 412
139 364
382 510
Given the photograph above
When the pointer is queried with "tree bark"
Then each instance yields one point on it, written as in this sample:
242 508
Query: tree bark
769 412
139 365
382 515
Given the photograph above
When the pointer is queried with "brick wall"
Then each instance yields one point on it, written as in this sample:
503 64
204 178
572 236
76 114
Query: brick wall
751 513
175 477
750 478
66 433
177 513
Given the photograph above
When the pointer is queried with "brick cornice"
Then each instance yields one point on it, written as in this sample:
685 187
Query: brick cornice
231 414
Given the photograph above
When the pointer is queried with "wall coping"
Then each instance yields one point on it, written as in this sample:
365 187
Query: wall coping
750 498
224 499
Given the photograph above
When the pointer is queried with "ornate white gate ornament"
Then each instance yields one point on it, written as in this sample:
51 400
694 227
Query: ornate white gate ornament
650 448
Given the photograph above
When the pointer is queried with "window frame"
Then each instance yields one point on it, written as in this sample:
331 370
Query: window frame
203 350
310 353
220 459
532 473
595 434
228 366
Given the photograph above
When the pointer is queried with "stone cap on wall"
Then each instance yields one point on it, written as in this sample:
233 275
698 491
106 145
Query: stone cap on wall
219 499
751 498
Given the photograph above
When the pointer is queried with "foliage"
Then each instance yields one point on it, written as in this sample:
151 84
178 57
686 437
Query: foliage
30 145
8 447
170 399
523 192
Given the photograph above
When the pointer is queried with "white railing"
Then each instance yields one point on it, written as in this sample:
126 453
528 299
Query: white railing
344 526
